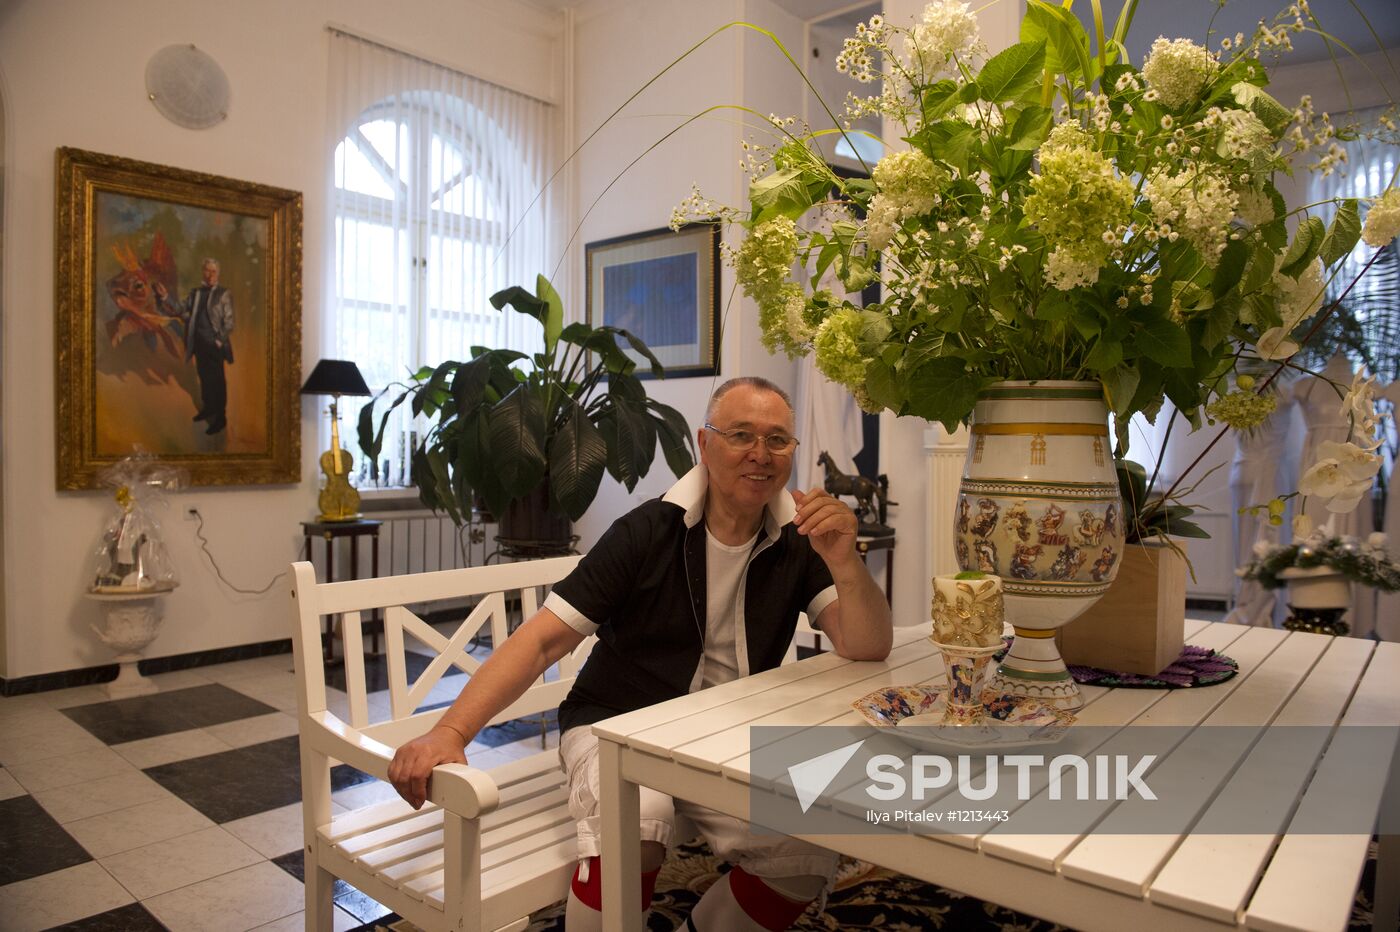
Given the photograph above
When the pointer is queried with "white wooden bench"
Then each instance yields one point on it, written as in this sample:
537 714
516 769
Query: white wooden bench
489 847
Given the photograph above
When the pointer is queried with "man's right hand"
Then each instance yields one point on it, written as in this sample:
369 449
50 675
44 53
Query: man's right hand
413 763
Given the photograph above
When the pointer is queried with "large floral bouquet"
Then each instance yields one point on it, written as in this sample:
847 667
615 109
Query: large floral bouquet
1059 214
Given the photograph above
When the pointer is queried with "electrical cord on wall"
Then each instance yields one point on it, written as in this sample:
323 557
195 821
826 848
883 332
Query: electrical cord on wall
204 543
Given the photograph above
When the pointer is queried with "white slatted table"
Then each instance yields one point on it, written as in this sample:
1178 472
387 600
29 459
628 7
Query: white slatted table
697 747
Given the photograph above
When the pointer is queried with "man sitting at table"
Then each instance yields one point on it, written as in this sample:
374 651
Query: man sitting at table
694 589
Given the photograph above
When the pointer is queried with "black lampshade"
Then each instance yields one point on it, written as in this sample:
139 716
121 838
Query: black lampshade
335 377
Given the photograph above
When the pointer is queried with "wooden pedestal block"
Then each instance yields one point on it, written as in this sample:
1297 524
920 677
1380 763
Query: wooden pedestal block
1139 625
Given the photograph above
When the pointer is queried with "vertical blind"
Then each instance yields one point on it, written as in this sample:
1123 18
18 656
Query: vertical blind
435 192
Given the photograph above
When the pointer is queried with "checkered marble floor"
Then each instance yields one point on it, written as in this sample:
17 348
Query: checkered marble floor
180 810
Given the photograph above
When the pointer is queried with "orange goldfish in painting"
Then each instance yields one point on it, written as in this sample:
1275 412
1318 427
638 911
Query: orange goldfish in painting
132 290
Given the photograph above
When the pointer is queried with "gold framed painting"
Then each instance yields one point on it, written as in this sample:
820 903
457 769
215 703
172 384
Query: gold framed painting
178 321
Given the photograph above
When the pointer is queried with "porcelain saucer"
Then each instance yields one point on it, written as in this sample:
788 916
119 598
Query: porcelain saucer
917 712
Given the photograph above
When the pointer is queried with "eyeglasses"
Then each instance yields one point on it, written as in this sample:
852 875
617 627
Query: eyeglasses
739 439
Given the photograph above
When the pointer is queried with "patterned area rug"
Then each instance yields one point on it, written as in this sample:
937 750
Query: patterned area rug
865 898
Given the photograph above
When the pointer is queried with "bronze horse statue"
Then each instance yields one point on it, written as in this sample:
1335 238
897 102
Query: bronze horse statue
865 491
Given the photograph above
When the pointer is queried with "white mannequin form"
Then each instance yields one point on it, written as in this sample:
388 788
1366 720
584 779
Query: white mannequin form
1254 479
1321 405
1388 603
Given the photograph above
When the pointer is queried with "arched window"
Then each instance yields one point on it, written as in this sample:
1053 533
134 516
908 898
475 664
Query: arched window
436 206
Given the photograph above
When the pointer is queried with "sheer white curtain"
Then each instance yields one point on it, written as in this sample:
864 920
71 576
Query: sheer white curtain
436 205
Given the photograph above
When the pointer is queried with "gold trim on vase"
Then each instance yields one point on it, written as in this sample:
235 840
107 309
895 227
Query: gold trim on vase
1041 429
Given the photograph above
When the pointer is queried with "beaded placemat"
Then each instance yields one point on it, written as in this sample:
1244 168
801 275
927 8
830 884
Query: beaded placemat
1197 666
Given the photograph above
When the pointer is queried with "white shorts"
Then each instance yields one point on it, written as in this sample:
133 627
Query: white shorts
731 839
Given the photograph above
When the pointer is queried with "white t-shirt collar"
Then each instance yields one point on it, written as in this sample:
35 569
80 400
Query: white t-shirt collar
690 490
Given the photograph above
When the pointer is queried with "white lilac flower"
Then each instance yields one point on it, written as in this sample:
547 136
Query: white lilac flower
1354 462
1383 219
1275 344
1177 70
949 29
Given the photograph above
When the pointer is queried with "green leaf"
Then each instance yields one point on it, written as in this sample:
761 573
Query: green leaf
783 193
1230 268
469 385
1183 528
1012 71
1258 101
554 315
1032 127
1307 242
1120 385
883 385
1163 342
949 141
442 483
517 441
943 390
938 99
1105 355
577 457
631 442
1345 231
522 302
1067 51
1221 320
673 432
1260 271
639 347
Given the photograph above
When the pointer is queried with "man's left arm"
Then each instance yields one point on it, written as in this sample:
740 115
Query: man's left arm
225 317
858 622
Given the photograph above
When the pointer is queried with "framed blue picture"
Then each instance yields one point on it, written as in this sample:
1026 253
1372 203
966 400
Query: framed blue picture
662 286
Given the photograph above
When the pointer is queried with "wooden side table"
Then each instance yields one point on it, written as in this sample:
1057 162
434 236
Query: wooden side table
330 532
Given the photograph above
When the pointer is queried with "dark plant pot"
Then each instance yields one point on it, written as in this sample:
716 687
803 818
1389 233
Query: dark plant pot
530 528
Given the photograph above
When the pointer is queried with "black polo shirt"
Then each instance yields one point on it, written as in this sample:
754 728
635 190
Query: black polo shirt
642 591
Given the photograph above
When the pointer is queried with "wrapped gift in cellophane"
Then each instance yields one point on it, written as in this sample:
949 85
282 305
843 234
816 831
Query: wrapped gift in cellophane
131 555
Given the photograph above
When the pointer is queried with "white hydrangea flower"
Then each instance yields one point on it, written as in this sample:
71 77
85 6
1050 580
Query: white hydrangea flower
1177 70
1066 269
793 309
1198 205
949 29
1382 219
1244 135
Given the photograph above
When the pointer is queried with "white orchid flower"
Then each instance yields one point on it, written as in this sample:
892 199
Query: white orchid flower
1351 496
1376 540
1324 479
1274 344
1360 399
1355 462
1302 527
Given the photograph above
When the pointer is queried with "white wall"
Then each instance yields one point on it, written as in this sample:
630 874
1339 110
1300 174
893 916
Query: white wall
619 47
73 75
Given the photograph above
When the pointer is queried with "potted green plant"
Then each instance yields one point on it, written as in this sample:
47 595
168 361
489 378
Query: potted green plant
530 436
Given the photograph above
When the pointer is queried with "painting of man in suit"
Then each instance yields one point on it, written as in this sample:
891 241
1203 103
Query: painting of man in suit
179 280
207 312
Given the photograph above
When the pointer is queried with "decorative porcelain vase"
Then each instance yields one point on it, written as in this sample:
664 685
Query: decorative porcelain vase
1038 505
968 617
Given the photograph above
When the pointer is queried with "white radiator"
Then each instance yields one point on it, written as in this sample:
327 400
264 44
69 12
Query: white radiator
416 540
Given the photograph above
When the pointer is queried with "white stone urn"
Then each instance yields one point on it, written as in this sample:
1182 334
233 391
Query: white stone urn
130 622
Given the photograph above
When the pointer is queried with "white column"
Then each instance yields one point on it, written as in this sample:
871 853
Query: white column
946 454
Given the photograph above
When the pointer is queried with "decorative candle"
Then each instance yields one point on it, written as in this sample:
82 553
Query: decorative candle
967 610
